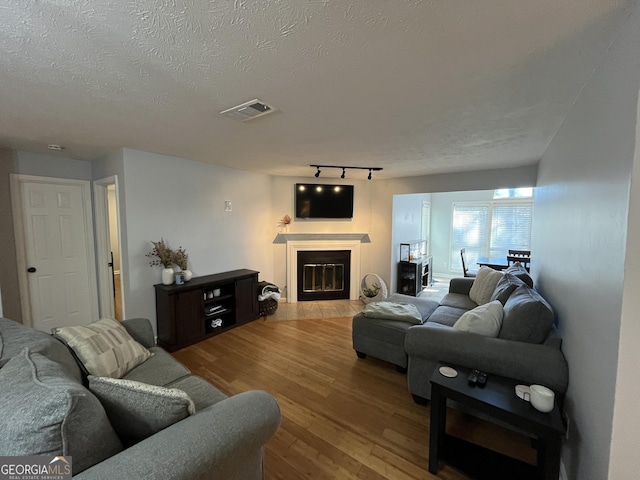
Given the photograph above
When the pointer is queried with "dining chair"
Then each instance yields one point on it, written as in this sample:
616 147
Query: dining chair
524 261
465 269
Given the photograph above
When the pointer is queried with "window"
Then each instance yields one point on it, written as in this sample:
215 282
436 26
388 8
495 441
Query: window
490 229
469 232
513 193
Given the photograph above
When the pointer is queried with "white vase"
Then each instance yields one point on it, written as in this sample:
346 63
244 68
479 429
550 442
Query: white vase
188 274
168 276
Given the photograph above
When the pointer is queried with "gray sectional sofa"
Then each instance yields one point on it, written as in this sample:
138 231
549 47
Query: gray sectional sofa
47 407
527 347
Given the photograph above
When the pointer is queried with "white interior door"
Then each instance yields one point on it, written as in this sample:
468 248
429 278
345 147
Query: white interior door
57 250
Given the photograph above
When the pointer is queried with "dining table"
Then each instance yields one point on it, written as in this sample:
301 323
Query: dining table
497 263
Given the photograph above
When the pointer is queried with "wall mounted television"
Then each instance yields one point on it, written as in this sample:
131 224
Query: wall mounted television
314 200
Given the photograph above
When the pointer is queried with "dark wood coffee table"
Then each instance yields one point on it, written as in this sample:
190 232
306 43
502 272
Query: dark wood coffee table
498 400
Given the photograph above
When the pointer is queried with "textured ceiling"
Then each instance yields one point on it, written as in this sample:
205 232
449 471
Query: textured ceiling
416 87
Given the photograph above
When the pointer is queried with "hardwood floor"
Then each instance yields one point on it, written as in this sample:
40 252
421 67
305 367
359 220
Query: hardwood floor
342 417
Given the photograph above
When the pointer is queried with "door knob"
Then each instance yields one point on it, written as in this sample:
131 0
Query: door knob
31 269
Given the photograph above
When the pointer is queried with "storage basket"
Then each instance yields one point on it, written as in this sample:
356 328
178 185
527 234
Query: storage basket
267 307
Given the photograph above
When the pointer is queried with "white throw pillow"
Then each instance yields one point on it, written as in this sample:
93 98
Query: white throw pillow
483 320
483 286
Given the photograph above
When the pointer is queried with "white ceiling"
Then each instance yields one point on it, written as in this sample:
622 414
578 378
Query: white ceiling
415 87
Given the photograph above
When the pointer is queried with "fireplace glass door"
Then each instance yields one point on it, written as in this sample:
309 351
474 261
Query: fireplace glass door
323 274
323 277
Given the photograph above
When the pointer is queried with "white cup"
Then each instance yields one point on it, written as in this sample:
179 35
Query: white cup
216 292
542 398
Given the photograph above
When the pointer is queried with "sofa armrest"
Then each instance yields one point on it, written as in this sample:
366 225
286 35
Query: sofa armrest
141 331
461 285
527 362
223 441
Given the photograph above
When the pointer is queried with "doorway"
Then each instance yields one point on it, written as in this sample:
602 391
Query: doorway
108 243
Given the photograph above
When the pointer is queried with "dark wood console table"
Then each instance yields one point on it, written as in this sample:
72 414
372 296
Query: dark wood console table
205 306
496 399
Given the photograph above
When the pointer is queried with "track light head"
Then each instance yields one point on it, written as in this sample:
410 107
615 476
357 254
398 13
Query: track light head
343 173
369 177
318 172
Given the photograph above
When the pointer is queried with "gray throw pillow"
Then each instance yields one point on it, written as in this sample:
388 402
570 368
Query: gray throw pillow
527 317
43 411
105 348
138 410
519 271
505 287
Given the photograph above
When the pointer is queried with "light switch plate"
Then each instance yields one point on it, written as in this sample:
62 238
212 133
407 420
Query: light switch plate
227 205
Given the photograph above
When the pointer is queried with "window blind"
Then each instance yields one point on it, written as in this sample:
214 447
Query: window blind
469 232
489 229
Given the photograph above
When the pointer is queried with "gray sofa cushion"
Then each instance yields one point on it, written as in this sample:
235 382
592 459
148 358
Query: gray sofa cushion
458 300
199 390
527 316
446 315
388 331
138 410
161 369
61 417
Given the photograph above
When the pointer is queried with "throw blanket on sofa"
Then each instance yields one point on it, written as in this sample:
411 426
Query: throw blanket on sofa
403 312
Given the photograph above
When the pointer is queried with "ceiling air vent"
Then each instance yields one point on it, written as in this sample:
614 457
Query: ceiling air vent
249 110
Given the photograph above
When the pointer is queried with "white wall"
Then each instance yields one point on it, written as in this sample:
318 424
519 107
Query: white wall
580 237
10 304
406 227
57 166
183 201
624 461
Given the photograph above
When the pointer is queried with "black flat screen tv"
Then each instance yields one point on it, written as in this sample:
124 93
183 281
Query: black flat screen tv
323 201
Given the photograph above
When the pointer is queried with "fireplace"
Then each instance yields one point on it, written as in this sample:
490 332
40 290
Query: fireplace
324 274
296 242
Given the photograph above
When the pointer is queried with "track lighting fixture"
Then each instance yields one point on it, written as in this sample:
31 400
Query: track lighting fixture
344 170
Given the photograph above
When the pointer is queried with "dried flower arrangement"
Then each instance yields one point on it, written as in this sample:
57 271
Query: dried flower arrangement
284 221
181 258
161 254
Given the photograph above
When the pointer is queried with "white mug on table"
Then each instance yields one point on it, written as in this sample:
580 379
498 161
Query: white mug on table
542 398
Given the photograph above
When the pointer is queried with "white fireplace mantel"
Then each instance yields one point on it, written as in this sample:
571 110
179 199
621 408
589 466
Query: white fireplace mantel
287 237
321 241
